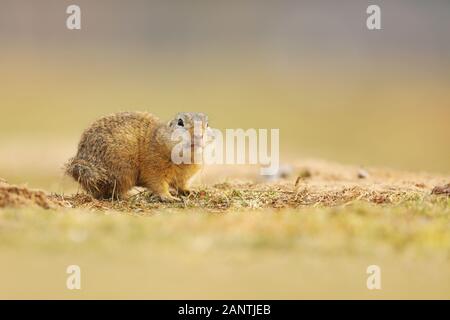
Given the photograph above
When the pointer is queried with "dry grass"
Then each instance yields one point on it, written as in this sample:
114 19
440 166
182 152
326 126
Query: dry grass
312 184
238 196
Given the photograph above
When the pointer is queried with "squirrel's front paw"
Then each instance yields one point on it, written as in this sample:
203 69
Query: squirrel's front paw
184 192
168 198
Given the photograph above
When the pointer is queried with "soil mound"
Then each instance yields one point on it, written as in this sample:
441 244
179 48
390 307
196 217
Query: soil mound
14 196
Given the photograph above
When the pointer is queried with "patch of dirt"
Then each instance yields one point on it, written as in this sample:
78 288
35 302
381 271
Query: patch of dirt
14 196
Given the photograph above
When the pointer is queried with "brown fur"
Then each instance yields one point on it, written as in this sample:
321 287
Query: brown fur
128 149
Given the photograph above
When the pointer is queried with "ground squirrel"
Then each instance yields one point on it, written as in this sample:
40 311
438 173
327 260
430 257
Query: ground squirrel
128 149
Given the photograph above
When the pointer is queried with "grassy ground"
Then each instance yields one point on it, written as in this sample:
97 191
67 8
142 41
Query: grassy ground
310 235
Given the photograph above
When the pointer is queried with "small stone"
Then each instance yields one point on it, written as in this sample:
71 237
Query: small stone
420 185
305 173
284 172
362 174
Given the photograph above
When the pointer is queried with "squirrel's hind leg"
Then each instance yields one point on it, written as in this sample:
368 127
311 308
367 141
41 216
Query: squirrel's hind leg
96 180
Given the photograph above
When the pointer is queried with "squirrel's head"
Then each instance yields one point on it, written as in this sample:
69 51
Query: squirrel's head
191 128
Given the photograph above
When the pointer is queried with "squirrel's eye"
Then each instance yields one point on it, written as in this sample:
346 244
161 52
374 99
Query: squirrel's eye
180 122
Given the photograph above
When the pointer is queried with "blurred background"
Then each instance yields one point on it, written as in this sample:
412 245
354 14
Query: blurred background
335 89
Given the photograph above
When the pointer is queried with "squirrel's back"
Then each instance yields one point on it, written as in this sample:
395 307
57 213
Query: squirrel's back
108 152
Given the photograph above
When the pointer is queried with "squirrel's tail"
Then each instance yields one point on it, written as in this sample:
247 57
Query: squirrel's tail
94 179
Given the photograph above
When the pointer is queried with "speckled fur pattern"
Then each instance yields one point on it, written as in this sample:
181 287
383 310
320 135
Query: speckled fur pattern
128 149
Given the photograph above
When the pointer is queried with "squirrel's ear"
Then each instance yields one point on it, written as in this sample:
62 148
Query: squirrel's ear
169 124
